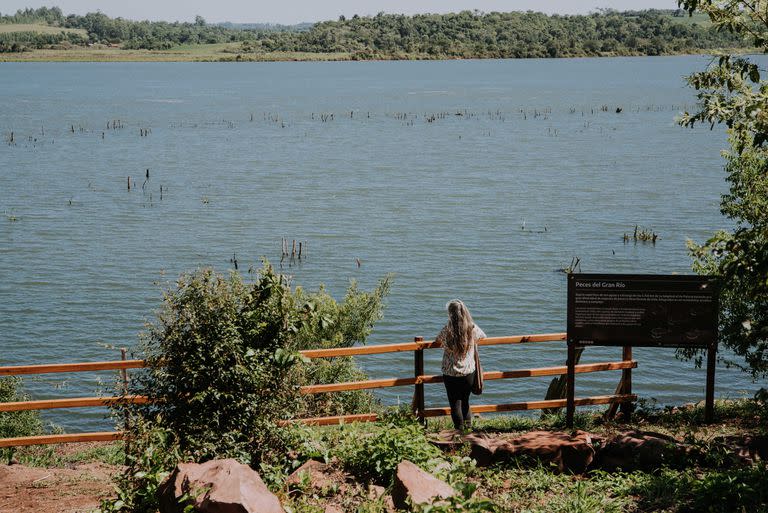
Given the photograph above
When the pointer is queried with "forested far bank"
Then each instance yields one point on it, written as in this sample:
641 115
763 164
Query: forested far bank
467 34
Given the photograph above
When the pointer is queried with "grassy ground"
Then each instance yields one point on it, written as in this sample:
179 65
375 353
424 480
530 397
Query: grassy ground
6 28
67 455
697 18
184 53
372 450
526 487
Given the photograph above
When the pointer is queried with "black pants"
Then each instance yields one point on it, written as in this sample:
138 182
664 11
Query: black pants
459 388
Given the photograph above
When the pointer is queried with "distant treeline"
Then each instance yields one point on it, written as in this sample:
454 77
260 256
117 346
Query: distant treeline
504 35
386 36
22 41
153 35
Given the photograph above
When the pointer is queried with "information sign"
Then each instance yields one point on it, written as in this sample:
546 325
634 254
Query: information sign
642 310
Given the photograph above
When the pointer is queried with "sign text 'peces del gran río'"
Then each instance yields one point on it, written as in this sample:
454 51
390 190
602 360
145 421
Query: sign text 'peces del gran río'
642 310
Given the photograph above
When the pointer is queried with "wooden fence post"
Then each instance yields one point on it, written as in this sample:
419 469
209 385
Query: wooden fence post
418 370
626 379
124 374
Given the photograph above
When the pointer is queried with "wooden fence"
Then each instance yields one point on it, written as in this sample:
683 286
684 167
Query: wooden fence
417 347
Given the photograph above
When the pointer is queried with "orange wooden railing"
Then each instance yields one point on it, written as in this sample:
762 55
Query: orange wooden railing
419 379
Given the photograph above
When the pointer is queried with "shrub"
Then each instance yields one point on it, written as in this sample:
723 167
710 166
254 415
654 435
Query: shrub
375 456
332 324
220 361
223 362
18 423
739 489
153 454
721 491
328 324
223 370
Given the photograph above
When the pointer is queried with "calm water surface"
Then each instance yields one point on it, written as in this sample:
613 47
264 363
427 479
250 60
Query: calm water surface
428 170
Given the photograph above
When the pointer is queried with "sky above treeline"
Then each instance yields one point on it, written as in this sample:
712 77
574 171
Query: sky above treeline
297 11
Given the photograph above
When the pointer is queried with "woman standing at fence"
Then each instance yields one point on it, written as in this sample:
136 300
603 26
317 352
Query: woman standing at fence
459 338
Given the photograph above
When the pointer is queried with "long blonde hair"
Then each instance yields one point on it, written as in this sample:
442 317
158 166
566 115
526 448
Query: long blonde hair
458 331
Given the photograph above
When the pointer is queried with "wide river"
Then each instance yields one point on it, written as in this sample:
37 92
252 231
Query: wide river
469 179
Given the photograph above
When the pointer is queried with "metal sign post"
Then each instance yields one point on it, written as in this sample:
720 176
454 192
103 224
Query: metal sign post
570 387
709 398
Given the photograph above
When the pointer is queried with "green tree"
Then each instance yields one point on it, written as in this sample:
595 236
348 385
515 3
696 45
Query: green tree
732 91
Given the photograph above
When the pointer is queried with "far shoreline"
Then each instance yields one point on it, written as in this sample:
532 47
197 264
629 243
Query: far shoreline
222 53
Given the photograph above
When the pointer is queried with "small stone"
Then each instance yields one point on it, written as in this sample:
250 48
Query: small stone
416 486
316 474
217 486
376 491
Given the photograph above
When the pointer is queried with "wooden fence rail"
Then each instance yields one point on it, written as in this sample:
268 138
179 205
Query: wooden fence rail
21 370
623 392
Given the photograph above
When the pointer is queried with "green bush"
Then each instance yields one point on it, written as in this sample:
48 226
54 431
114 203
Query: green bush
223 371
329 324
721 491
739 489
220 365
153 453
374 456
223 361
18 423
336 370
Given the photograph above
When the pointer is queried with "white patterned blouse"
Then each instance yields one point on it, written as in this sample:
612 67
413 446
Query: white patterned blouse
454 364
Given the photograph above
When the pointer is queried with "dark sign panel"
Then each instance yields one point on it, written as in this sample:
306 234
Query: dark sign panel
642 310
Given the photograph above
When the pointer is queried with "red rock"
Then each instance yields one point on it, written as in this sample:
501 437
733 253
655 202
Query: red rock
376 491
483 448
417 485
217 486
316 474
567 452
642 450
744 449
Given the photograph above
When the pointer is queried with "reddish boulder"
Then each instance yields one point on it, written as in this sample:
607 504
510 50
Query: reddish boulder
217 486
642 450
417 486
744 449
483 448
572 453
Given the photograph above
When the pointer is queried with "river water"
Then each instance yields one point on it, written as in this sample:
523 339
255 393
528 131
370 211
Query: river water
469 179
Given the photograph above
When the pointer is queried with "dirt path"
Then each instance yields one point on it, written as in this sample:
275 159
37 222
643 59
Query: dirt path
54 490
